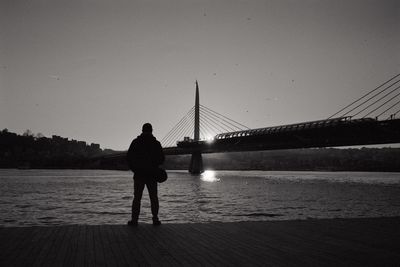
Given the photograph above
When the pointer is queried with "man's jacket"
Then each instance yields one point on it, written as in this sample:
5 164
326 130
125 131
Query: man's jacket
144 156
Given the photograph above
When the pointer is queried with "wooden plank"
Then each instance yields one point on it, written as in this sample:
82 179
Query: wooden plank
198 251
128 237
165 257
5 234
16 242
44 245
80 249
379 234
90 259
159 253
201 242
124 248
114 245
277 244
98 247
70 253
54 251
175 246
302 241
337 242
109 253
229 246
61 246
348 241
297 248
40 235
22 253
144 245
247 246
281 243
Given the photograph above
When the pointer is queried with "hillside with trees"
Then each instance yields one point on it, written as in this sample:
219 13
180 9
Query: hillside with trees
37 151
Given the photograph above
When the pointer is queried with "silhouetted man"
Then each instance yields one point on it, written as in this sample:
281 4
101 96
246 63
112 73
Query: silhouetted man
144 156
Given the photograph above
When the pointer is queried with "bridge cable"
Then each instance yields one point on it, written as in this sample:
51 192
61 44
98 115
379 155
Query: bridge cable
206 131
229 118
389 108
370 98
176 125
382 104
221 120
189 130
212 120
221 117
176 131
394 114
217 125
364 96
176 128
202 134
183 128
187 126
376 101
211 128
207 115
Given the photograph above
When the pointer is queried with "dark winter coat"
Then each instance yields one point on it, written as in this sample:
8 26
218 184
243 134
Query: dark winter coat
144 156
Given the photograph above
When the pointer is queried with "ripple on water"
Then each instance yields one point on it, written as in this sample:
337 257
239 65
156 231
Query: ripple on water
177 201
24 206
97 197
49 208
9 220
46 218
109 213
258 214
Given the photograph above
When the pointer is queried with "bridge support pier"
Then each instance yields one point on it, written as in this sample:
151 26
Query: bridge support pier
196 163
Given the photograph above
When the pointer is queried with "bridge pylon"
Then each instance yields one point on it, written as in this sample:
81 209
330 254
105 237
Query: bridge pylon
196 162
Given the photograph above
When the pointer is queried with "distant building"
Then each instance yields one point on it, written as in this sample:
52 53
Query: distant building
82 143
94 146
59 138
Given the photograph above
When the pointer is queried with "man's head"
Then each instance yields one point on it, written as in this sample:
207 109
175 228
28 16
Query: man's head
147 128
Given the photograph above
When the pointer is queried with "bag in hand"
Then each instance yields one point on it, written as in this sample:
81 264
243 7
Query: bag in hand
161 175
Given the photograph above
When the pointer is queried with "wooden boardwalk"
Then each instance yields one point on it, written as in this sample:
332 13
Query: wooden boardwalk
330 242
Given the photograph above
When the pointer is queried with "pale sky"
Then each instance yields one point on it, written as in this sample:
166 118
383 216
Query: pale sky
96 70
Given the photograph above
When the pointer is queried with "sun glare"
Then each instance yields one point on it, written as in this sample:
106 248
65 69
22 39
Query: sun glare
209 139
209 176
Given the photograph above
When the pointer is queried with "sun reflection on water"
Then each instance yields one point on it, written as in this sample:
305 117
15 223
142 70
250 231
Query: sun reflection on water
209 176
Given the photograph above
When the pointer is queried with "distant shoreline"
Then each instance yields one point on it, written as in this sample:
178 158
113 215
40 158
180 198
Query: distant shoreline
33 152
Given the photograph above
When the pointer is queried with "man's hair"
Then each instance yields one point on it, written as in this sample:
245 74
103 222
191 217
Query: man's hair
147 128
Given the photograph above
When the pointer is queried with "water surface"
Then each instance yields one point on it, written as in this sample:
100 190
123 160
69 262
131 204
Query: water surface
52 197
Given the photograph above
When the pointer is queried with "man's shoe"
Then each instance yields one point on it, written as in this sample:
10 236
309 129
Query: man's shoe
133 223
156 222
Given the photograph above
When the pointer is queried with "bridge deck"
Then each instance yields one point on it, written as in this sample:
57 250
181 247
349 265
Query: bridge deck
333 242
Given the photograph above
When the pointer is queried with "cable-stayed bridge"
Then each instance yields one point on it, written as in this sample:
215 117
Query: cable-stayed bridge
370 119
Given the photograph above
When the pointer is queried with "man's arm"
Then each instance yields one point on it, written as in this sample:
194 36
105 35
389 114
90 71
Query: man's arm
130 156
161 157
